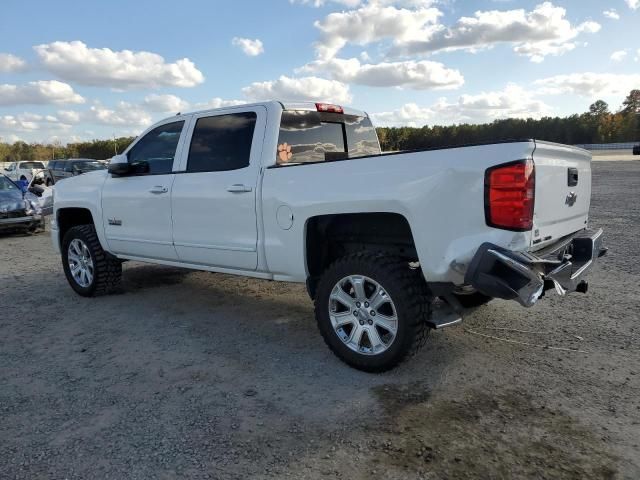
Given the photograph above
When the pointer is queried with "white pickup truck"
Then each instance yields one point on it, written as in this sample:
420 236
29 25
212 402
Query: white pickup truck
389 244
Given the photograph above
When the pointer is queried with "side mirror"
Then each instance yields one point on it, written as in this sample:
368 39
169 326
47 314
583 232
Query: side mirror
119 165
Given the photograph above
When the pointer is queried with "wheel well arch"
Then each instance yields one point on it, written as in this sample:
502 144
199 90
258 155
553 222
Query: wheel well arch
67 218
329 237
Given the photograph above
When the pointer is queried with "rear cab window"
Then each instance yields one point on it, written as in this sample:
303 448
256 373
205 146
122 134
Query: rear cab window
311 137
27 165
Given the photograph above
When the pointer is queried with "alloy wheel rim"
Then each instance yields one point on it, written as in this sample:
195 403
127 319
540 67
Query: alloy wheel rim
363 315
80 263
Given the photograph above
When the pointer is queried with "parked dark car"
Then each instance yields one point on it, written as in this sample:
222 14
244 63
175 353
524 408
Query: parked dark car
636 150
74 166
18 209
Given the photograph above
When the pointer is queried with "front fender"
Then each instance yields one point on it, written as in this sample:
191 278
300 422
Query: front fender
84 192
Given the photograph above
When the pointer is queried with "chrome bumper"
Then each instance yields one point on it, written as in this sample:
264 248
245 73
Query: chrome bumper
525 276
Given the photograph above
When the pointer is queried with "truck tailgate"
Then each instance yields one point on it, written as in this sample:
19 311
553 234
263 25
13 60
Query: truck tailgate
563 192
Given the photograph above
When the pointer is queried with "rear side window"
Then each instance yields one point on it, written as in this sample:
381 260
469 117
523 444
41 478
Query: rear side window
308 137
158 148
221 143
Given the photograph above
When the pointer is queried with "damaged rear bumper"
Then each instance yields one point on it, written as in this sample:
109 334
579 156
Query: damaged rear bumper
525 276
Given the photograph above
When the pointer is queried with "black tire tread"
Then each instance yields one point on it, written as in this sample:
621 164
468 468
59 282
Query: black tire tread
108 269
416 301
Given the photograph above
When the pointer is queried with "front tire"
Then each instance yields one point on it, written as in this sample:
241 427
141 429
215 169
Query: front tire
89 269
372 310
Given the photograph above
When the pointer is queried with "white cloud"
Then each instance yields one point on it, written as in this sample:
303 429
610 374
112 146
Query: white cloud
420 75
218 102
543 31
321 3
125 114
299 89
250 47
512 102
589 84
618 55
68 116
633 4
165 103
612 14
372 23
10 63
356 3
38 93
75 62
31 122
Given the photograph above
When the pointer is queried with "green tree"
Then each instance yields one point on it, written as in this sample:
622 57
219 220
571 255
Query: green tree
631 104
599 108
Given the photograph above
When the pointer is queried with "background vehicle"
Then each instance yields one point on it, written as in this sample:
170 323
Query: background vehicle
23 170
636 150
74 166
389 245
40 191
17 209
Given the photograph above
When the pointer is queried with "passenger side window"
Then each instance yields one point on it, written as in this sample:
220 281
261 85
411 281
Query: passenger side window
158 148
221 143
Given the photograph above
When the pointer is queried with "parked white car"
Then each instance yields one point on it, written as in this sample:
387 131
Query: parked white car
23 170
389 245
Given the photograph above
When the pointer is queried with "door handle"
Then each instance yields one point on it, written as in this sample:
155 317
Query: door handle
239 188
158 189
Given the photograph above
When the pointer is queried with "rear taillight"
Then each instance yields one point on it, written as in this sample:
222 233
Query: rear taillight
509 195
327 107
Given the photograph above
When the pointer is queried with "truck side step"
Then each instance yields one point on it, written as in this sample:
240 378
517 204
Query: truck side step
445 312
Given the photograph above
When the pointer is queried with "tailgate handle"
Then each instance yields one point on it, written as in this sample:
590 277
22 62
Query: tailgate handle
572 177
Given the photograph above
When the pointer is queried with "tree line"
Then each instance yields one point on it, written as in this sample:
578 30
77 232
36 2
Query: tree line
597 125
97 149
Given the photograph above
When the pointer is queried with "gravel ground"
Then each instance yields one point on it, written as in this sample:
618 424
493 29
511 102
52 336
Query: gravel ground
196 375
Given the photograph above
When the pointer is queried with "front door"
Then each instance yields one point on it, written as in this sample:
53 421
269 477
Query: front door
136 209
214 198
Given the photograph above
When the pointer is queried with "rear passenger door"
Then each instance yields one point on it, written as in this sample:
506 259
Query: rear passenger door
214 196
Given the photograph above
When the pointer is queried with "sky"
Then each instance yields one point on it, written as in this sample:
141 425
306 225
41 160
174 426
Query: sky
81 70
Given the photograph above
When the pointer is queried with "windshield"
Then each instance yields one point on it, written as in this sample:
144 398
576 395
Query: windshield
7 185
31 165
89 165
308 137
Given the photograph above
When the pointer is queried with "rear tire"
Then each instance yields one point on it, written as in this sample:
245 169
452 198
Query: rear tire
103 272
365 283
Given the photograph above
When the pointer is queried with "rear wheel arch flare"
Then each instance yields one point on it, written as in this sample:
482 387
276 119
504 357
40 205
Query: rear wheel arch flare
329 237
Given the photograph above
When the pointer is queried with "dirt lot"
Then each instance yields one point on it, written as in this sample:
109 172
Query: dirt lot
195 375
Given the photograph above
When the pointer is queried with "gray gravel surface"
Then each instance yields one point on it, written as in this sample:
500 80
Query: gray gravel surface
195 375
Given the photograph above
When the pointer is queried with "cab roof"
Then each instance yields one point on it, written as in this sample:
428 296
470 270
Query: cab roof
285 105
